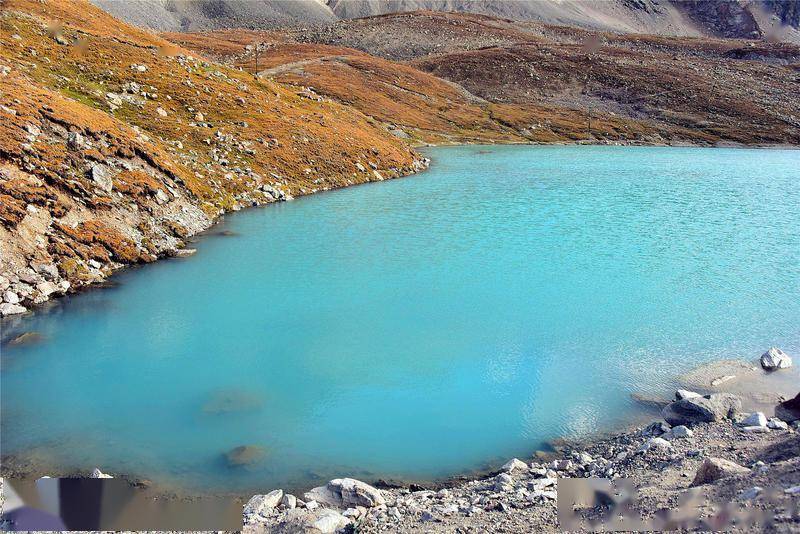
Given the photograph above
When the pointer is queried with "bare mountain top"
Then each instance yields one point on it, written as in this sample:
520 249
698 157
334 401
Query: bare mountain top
778 19
193 15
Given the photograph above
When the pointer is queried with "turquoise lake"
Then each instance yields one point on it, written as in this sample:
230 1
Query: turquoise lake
417 328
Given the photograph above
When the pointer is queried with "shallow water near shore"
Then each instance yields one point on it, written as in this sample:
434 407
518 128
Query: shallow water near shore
417 328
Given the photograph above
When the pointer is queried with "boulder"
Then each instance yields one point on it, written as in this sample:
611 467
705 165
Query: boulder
775 359
705 409
289 501
346 492
514 464
11 309
755 419
713 469
789 410
263 504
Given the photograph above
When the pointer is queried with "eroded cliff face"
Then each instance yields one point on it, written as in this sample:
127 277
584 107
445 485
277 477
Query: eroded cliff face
115 146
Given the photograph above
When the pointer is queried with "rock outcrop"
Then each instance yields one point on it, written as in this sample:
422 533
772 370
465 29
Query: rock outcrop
705 409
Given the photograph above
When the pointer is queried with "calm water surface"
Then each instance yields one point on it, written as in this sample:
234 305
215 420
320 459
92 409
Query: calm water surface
421 327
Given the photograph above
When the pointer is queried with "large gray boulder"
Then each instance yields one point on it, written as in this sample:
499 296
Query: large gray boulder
706 409
775 359
789 410
713 469
346 492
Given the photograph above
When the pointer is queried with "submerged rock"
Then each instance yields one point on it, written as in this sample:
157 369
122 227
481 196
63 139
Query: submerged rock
706 409
774 359
26 338
713 469
245 455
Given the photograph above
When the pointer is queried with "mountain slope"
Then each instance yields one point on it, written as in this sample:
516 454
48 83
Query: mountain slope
116 146
777 19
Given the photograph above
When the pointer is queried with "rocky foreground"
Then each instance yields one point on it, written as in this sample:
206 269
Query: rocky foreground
708 461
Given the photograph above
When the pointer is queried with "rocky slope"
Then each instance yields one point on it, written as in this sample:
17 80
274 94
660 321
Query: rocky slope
715 460
777 19
116 145
506 80
717 466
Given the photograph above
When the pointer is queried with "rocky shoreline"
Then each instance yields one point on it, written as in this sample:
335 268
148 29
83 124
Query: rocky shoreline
708 459
713 449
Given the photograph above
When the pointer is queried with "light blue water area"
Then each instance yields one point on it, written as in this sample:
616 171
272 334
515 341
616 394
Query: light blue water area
421 327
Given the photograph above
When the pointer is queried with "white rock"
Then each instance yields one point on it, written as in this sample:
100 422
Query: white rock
776 424
11 297
755 419
346 492
263 504
685 394
161 112
46 288
679 431
775 358
515 465
794 490
655 443
102 177
330 521
96 473
289 501
11 309
312 505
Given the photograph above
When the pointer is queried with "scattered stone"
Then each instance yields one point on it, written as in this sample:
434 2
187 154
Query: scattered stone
655 443
679 432
754 419
708 408
794 490
161 111
775 359
713 469
199 117
752 493
656 428
185 252
776 424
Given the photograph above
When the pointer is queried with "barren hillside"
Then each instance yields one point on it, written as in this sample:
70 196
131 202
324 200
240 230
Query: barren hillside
116 145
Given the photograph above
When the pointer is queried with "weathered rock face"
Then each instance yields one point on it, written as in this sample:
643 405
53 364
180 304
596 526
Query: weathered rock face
713 469
789 411
706 409
346 492
774 359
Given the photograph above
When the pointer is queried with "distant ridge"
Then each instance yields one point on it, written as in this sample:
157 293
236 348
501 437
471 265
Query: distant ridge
778 19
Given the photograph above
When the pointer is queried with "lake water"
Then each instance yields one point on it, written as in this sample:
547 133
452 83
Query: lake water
418 328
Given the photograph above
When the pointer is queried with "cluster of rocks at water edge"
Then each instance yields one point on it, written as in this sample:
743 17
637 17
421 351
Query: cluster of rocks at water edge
704 442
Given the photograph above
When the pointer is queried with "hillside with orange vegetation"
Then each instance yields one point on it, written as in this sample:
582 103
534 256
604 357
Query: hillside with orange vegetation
698 90
116 145
409 102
